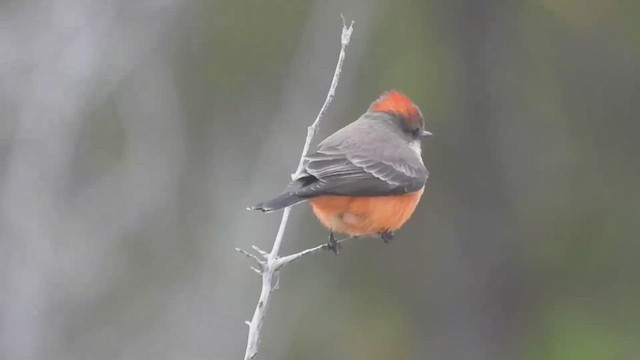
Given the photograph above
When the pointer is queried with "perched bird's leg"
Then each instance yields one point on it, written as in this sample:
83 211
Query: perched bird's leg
387 236
333 245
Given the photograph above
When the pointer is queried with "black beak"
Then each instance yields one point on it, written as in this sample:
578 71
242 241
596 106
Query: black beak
425 133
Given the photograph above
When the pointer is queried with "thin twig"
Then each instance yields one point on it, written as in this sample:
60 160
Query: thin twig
271 263
250 256
285 260
311 130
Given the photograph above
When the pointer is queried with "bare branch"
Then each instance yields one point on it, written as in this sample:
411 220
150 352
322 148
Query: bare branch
285 260
260 251
311 130
270 263
250 256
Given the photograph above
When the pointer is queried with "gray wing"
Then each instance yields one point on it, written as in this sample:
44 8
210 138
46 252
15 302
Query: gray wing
383 165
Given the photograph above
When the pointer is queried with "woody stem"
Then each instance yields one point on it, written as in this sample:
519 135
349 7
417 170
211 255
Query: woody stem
285 260
271 263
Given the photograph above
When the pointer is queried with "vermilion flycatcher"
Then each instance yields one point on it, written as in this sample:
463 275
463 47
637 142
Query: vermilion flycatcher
367 178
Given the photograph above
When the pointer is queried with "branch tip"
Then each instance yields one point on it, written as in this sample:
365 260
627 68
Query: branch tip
251 256
262 252
346 31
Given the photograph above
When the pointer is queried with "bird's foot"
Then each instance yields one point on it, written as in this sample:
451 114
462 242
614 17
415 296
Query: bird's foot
387 236
333 245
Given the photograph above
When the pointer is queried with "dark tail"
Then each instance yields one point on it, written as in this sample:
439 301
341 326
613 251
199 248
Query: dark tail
280 202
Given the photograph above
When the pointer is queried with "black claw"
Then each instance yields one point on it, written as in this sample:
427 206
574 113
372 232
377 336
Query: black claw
333 245
387 236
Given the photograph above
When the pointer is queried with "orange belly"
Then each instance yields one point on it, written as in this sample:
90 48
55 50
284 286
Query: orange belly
365 215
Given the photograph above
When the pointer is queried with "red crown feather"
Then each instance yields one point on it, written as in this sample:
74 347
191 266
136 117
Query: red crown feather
393 101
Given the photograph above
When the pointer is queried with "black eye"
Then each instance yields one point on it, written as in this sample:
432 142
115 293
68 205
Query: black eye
416 132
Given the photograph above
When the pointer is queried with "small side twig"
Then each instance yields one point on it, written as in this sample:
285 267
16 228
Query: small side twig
285 260
250 256
270 263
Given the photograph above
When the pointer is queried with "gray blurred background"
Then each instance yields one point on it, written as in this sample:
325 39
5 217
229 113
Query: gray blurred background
133 134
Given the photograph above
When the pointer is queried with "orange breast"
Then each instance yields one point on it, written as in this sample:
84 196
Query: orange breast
364 215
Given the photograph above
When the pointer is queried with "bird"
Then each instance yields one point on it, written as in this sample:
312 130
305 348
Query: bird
367 178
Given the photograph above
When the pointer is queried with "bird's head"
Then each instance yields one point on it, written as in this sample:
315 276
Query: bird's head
407 114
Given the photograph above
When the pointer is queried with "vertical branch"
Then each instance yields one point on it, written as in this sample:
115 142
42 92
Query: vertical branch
311 130
269 263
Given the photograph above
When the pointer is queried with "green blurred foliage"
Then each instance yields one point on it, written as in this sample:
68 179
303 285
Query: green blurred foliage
566 72
527 237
